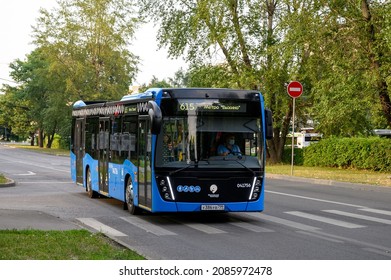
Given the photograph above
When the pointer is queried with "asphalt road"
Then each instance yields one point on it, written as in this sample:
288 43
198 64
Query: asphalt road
303 219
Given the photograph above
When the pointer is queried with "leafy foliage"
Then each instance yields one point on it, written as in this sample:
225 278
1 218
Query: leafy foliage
372 153
265 44
87 42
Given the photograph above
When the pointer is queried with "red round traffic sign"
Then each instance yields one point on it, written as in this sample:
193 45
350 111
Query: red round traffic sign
295 89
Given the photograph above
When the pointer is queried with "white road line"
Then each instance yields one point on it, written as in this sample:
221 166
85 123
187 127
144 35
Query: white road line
357 216
317 199
315 234
284 222
358 242
147 226
91 222
324 219
204 228
384 212
250 227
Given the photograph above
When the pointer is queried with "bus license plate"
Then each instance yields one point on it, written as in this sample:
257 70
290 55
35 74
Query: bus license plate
212 207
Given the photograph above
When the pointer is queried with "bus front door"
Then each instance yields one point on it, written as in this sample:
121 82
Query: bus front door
79 149
144 163
103 157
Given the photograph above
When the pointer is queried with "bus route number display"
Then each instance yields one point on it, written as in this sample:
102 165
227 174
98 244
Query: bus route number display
210 106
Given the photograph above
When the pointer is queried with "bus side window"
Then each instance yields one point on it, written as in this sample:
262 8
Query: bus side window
129 138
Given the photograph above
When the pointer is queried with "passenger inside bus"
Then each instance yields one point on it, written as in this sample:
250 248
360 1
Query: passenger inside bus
228 147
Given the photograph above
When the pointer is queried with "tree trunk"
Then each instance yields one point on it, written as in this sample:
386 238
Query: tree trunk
32 141
40 138
50 140
375 55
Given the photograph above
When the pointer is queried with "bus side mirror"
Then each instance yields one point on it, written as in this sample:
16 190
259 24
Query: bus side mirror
155 115
269 124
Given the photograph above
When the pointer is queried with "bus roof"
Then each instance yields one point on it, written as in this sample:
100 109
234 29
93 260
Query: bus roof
179 93
196 93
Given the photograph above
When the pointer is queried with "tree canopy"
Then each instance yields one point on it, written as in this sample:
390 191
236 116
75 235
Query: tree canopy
339 50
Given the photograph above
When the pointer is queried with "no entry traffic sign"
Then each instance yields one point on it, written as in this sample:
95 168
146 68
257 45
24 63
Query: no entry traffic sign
295 89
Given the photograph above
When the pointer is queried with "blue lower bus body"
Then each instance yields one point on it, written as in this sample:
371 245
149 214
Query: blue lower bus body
117 174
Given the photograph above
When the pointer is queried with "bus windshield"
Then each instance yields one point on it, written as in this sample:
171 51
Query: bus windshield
209 141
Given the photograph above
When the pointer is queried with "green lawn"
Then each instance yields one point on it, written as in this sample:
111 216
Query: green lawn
344 175
2 179
60 245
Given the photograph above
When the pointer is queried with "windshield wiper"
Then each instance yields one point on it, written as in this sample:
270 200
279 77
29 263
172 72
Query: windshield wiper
192 164
252 171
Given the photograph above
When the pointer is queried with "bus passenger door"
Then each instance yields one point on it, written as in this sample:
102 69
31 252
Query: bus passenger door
79 148
144 163
103 157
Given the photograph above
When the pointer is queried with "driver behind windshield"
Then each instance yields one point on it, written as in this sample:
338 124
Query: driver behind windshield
229 146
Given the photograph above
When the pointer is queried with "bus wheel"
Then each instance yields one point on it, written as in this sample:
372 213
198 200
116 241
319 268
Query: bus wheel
129 197
91 193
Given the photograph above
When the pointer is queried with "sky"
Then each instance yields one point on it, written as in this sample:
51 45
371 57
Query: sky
17 17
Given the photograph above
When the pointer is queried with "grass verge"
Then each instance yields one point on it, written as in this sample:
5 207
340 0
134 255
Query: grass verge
56 152
61 245
335 174
3 180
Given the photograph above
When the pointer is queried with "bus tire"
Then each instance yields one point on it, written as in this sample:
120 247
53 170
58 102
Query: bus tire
91 193
129 198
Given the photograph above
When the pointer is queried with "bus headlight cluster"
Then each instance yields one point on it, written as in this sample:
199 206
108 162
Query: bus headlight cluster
165 188
256 188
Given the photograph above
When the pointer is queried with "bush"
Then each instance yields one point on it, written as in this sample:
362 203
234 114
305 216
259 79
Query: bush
362 153
287 156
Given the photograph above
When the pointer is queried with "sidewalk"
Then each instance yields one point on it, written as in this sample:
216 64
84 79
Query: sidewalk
31 219
26 219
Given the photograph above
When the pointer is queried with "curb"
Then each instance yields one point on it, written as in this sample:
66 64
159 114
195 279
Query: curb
10 183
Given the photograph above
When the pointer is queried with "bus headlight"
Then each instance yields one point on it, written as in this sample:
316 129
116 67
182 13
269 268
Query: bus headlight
165 188
256 188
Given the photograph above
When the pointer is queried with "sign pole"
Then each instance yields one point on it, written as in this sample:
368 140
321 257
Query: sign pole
294 89
293 136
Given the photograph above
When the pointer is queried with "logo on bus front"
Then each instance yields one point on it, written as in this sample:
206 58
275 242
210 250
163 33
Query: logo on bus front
213 189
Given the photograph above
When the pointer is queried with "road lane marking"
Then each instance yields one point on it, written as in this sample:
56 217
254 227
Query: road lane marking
250 227
91 222
204 228
284 222
29 173
315 234
362 244
147 226
377 211
358 216
324 219
317 199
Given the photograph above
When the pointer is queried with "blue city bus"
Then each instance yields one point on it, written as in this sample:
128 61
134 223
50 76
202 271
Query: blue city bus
158 150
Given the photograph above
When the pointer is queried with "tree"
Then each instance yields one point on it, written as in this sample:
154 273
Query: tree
349 66
339 51
246 37
41 94
155 83
218 76
87 41
14 113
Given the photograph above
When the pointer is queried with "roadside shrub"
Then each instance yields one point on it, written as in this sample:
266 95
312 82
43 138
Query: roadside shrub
287 156
372 153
